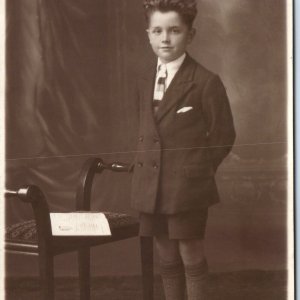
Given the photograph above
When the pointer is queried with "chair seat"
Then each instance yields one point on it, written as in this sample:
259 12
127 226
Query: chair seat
25 233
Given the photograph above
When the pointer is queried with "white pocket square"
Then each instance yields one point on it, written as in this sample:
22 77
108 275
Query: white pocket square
184 109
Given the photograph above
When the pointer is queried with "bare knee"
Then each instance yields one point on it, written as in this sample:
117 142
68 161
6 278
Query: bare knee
191 251
168 250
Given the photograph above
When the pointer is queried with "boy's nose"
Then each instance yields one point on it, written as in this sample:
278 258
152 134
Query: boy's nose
165 37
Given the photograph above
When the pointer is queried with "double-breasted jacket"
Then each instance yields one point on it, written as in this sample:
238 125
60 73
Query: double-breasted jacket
181 146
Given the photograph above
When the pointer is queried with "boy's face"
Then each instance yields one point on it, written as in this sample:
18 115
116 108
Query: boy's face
168 35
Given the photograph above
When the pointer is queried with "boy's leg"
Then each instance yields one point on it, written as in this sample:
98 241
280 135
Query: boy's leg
196 269
171 268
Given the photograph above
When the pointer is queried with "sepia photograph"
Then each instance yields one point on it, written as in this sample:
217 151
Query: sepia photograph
148 150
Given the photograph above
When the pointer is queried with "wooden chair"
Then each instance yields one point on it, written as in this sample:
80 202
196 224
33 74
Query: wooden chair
35 236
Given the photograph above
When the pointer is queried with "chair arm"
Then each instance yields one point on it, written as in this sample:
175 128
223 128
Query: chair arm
115 167
28 194
91 167
33 195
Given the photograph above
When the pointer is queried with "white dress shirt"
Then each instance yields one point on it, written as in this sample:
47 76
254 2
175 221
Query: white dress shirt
172 68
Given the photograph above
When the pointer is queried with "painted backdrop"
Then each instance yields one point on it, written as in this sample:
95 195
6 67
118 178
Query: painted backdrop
70 65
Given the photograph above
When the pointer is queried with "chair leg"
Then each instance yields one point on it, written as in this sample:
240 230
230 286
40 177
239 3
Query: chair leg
147 267
46 266
84 273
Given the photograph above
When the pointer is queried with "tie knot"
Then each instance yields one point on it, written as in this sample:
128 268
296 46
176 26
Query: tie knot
162 70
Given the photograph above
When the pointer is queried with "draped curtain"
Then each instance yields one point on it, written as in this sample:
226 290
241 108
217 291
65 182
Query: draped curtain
70 70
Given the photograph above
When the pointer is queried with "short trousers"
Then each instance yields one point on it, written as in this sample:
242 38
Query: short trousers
185 225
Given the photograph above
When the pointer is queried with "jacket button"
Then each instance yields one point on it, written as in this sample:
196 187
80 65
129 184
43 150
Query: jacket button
141 138
140 164
155 166
156 140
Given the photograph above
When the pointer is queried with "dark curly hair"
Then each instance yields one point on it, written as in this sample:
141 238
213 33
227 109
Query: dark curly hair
187 9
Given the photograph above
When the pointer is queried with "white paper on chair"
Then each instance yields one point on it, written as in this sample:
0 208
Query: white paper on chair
79 224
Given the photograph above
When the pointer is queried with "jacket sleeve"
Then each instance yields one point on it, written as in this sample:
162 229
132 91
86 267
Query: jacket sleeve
219 120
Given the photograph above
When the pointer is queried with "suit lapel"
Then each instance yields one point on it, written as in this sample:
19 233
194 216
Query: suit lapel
180 85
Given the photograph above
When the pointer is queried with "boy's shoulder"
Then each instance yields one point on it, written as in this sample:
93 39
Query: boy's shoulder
148 68
200 71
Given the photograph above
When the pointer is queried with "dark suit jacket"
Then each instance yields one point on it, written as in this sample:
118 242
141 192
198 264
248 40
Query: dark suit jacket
179 153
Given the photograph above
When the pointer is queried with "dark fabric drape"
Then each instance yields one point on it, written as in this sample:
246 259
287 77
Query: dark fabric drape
75 101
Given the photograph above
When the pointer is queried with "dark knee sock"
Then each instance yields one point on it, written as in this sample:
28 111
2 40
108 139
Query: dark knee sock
196 280
173 280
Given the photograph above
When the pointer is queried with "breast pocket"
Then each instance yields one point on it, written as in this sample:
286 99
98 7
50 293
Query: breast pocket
186 118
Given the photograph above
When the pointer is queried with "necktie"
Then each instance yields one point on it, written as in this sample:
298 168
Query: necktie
160 86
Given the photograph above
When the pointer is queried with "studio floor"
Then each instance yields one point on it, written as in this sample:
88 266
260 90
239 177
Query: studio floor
242 285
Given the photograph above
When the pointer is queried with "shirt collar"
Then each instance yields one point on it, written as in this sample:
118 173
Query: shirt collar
173 65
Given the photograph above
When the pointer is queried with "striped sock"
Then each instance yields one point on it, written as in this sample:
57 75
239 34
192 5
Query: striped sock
196 280
173 280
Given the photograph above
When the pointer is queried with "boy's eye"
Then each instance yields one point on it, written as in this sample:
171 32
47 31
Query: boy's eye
175 30
156 31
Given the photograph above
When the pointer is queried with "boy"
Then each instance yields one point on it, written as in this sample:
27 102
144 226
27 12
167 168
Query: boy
185 131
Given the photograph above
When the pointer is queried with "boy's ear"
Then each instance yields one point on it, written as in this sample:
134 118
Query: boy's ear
192 33
148 32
